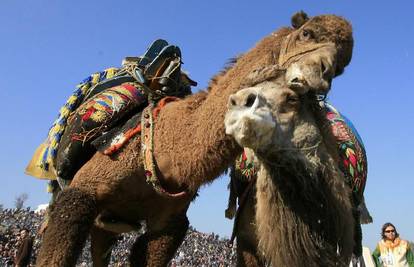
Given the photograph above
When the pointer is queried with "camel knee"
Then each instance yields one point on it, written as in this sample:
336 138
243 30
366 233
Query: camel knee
73 206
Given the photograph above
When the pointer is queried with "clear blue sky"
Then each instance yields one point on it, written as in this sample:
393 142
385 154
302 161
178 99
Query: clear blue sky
47 47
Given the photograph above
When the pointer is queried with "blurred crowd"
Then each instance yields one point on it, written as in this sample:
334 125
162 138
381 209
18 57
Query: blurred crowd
197 249
200 249
12 222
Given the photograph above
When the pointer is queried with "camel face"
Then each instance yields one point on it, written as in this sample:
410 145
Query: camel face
316 51
315 70
263 115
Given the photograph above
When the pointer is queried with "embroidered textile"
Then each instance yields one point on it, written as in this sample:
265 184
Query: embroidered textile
42 163
353 161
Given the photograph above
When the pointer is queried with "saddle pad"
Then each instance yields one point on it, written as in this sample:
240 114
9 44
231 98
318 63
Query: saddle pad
353 160
92 119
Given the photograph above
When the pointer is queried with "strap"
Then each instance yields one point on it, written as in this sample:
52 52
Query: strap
147 150
290 53
242 202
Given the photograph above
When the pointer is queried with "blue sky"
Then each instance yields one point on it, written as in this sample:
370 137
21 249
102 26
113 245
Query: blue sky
47 47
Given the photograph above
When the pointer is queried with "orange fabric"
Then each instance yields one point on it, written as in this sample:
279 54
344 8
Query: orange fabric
128 135
162 103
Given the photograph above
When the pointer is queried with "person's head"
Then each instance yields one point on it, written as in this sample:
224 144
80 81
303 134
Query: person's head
389 232
24 232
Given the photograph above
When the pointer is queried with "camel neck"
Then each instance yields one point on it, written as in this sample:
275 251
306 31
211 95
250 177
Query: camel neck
191 147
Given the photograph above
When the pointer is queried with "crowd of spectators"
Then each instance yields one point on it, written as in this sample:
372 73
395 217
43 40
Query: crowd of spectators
201 249
12 222
197 249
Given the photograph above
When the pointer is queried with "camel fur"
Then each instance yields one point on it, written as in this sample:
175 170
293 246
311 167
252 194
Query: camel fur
303 214
190 149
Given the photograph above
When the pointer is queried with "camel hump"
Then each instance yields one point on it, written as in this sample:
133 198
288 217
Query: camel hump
106 100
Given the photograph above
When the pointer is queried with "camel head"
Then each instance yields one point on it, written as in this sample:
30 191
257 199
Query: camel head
271 116
317 50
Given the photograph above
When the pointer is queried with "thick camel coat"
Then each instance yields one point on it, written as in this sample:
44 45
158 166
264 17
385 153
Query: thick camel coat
191 149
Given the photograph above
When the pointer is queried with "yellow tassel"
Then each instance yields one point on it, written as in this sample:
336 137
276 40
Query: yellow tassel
49 188
110 72
34 168
54 143
64 112
95 78
72 99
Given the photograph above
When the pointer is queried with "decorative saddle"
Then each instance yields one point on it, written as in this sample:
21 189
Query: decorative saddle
104 111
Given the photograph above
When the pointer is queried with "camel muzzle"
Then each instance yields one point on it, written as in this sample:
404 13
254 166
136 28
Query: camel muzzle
248 118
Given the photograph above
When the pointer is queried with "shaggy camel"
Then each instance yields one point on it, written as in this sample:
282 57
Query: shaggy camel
303 213
190 149
243 188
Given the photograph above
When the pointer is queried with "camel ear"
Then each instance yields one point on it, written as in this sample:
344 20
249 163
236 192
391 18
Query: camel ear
299 19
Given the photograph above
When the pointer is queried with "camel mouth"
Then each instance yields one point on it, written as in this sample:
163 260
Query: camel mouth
297 83
303 80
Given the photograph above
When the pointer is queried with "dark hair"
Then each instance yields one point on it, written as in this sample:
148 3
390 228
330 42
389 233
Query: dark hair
24 229
385 227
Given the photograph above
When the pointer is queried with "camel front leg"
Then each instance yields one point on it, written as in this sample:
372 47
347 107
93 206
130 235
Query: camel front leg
70 219
156 249
101 246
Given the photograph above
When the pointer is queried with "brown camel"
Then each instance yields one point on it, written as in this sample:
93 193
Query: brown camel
243 190
190 149
303 214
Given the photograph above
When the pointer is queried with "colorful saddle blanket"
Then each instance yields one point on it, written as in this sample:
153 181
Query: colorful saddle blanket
91 120
106 100
352 153
353 159
42 162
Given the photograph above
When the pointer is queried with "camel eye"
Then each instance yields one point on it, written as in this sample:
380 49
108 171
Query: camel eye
306 35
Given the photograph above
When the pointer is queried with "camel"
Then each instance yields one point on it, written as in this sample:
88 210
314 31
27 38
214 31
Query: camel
304 212
189 148
243 189
243 180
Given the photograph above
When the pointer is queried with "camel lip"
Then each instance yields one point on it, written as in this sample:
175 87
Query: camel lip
298 85
297 82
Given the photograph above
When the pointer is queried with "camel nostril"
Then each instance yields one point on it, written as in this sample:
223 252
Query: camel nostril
250 100
295 80
325 70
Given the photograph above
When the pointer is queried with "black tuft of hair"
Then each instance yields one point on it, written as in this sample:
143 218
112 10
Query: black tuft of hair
299 19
